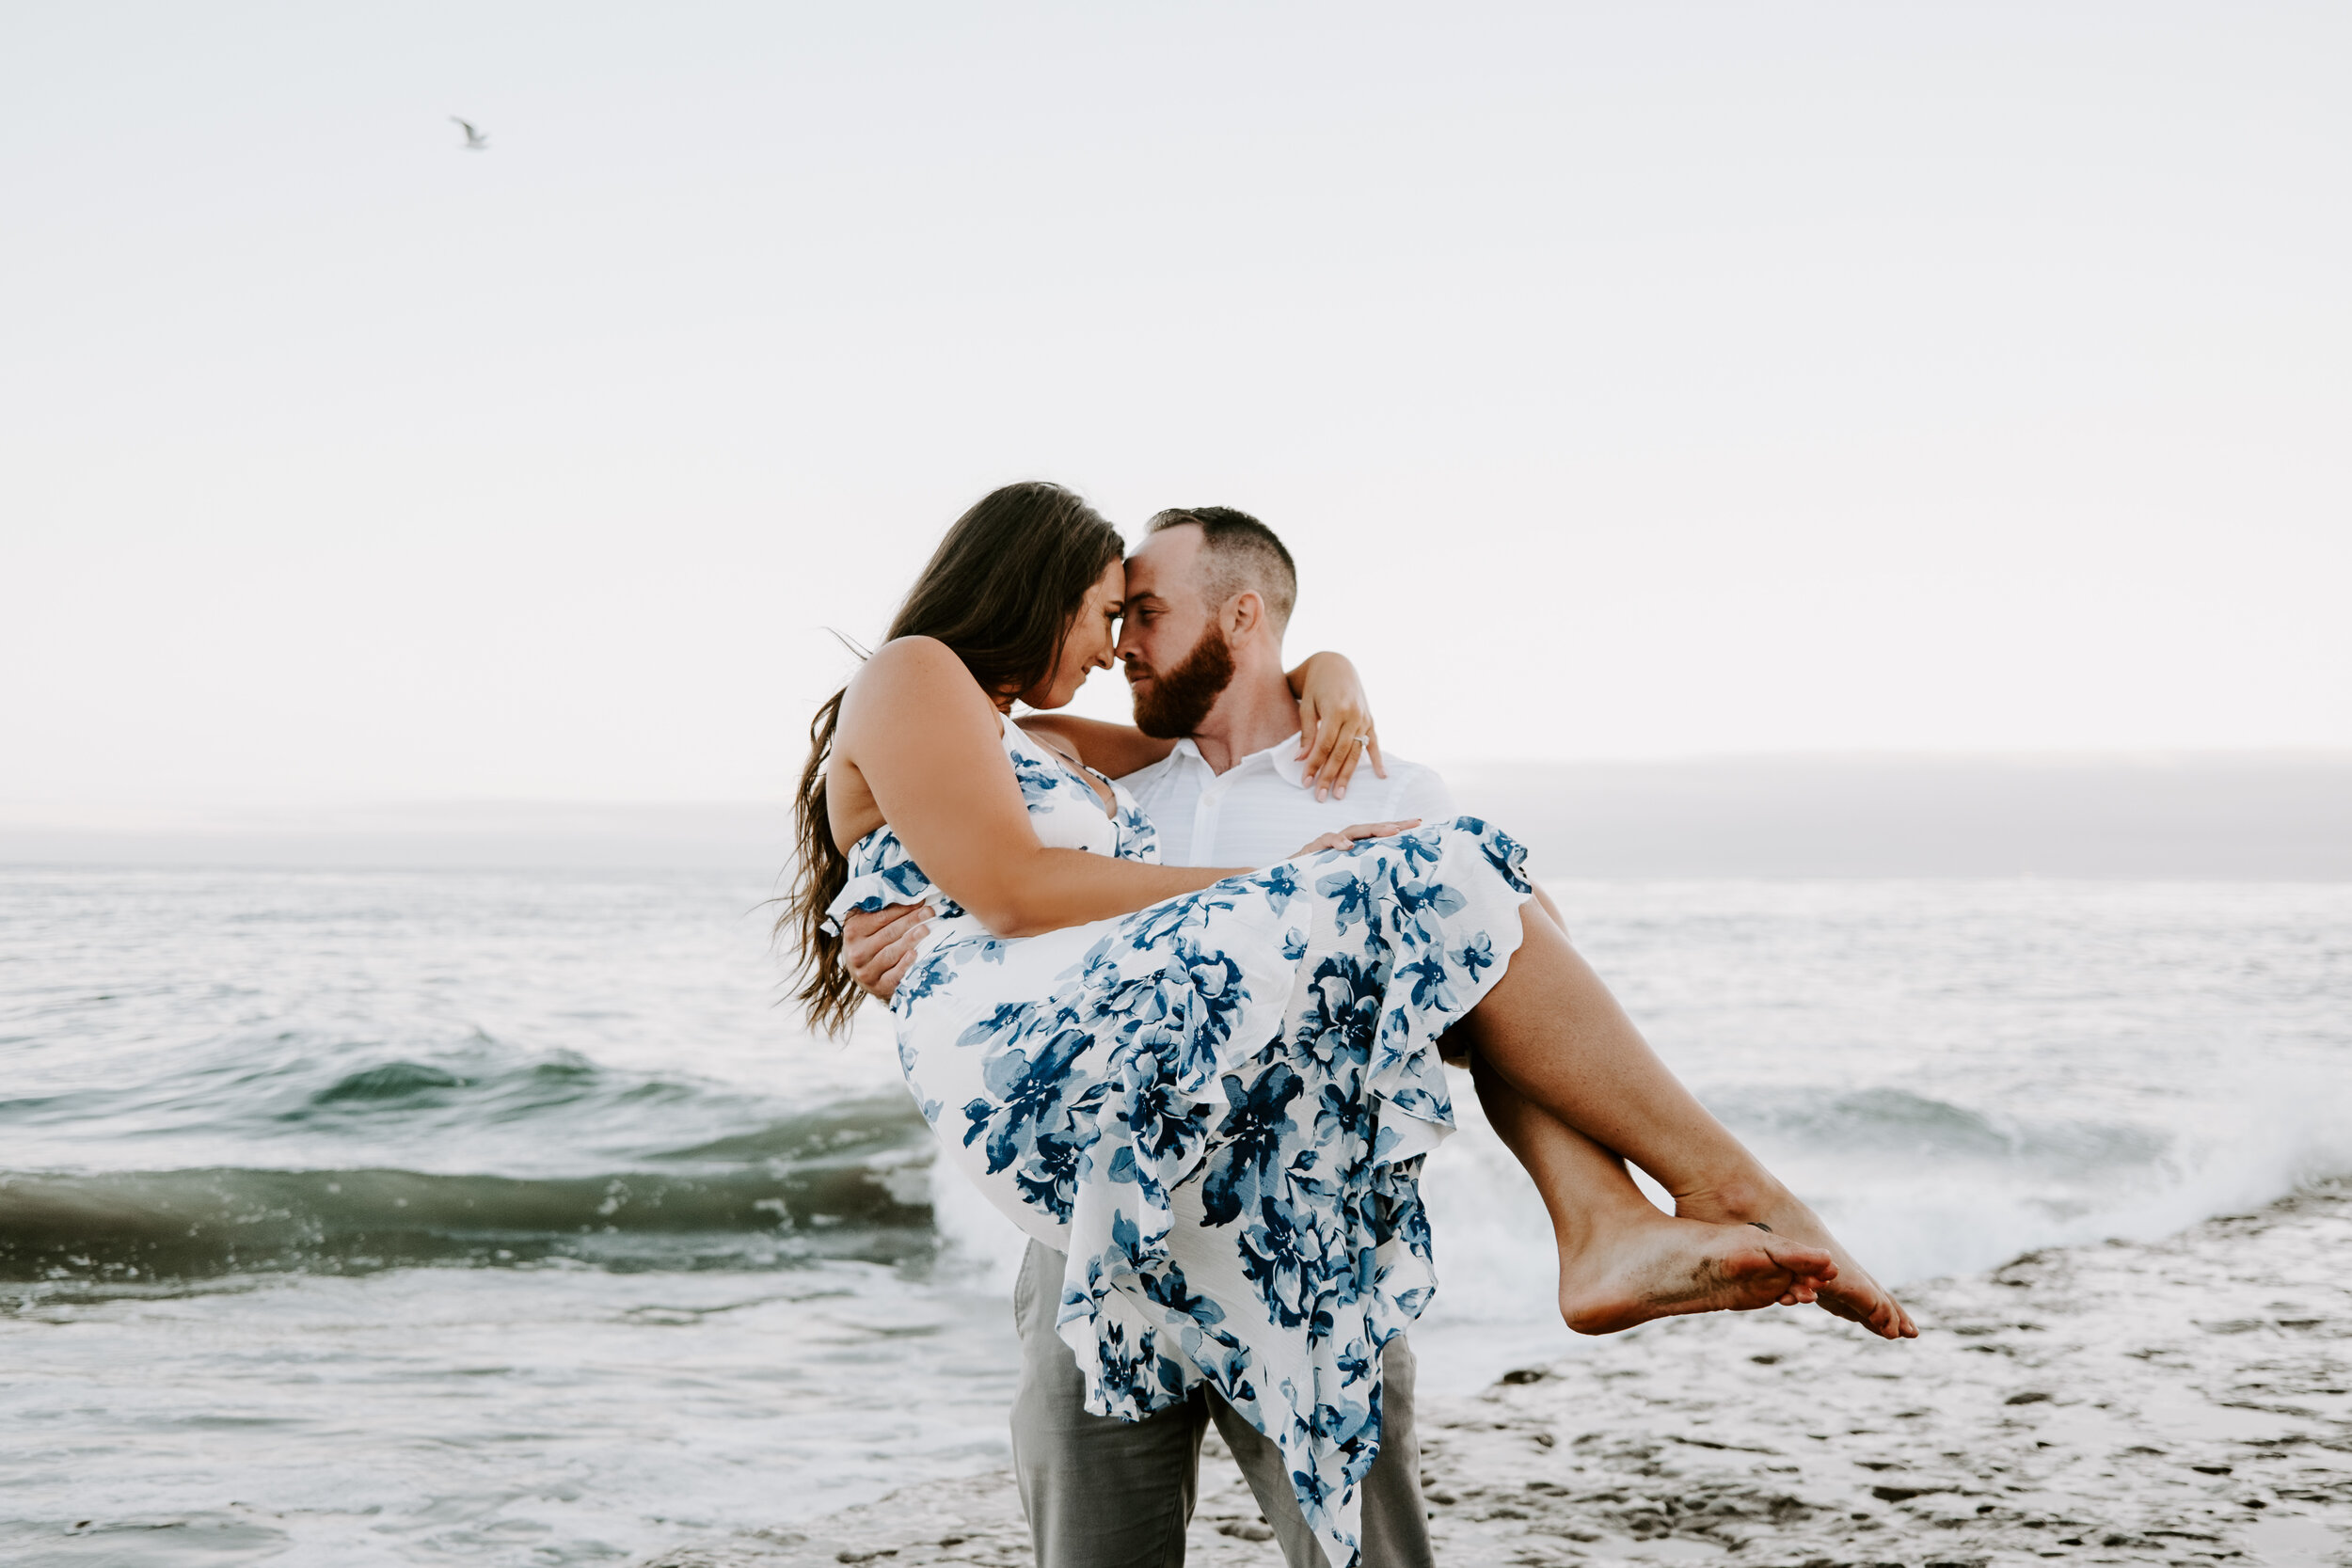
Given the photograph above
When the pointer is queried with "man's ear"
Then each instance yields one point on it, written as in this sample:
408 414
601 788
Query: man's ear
1244 614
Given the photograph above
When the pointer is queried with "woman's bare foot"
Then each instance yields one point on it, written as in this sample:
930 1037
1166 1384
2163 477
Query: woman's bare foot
1663 1267
1848 1292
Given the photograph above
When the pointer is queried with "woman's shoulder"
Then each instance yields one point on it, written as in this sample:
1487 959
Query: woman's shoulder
914 686
917 657
913 668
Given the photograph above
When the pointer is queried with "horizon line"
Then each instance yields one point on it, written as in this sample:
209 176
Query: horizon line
202 816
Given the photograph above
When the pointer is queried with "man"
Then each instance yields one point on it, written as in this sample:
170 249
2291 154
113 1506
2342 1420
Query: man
1209 595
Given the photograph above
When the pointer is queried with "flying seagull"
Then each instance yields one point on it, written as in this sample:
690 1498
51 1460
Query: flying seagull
475 140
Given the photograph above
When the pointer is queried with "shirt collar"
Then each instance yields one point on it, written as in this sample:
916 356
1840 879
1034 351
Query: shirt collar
1281 757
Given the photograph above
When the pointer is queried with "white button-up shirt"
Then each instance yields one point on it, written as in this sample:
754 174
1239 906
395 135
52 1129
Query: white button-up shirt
1260 810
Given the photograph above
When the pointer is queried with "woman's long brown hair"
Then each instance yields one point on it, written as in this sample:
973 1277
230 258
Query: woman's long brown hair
1001 591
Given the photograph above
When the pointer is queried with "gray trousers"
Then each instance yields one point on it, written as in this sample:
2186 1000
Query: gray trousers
1103 1492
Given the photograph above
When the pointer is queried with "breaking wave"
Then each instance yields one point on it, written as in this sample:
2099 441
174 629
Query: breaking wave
849 1181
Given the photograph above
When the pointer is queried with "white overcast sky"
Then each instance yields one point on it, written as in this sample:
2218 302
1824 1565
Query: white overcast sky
1632 380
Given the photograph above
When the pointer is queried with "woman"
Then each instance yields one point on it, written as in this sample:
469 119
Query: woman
1213 1087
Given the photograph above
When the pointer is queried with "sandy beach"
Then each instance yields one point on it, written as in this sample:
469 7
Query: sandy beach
2187 1401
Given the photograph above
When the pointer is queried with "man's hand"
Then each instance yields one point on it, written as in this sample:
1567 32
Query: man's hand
877 945
1349 834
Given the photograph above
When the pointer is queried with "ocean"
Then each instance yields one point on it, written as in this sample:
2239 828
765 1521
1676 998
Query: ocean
474 1217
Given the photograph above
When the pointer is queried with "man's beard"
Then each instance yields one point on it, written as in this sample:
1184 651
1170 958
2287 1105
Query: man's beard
1174 701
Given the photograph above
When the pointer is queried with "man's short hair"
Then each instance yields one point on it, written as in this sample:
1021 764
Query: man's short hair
1237 551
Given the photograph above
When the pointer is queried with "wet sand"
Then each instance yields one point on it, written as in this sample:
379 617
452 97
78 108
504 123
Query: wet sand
2185 1402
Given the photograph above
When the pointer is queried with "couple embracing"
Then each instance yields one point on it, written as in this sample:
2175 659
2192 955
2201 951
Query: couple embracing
1178 1007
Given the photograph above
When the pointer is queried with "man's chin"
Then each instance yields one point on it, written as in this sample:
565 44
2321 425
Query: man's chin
1151 721
1154 724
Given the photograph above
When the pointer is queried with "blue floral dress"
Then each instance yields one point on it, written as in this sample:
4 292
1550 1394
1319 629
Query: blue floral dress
1216 1106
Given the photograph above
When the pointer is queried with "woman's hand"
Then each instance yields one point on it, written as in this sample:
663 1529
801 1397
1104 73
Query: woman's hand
1335 729
1348 835
877 945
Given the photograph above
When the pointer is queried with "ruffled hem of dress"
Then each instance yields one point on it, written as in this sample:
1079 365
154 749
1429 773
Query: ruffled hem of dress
900 882
1423 1130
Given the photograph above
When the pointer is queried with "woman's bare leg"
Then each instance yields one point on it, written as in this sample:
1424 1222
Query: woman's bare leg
1622 1262
1550 1030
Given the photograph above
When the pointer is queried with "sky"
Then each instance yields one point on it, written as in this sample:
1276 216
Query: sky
1629 381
